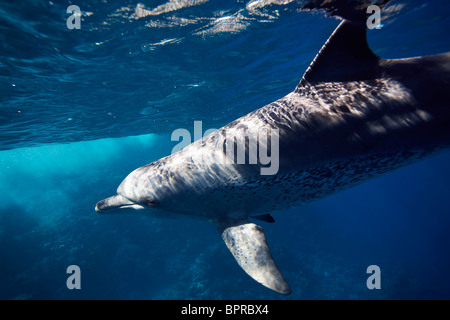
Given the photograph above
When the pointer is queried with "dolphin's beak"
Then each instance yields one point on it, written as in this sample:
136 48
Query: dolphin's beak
116 202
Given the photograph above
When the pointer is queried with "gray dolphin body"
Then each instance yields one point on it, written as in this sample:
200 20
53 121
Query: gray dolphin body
353 116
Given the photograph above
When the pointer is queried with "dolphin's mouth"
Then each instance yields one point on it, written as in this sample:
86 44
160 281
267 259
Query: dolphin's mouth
116 202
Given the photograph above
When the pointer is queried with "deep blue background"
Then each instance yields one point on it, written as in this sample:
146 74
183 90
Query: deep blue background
80 109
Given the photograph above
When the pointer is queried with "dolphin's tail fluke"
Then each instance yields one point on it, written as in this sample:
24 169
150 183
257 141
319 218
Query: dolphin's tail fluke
247 242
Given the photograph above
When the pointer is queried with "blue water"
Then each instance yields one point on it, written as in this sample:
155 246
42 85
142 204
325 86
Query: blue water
80 109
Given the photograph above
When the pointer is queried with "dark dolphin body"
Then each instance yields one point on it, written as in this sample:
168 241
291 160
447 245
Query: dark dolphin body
353 116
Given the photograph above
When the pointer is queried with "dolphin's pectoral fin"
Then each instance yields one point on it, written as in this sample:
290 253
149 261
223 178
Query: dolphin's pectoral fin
247 243
264 217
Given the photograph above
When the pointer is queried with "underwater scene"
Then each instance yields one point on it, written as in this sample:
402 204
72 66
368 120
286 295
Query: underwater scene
88 97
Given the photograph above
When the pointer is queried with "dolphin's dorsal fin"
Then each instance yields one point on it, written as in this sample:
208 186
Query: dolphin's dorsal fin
345 56
247 242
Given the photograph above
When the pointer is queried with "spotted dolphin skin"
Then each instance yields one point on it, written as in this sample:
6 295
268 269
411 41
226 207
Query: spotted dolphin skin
352 117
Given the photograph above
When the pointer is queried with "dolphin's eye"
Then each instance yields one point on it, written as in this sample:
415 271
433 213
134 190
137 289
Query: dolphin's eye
151 203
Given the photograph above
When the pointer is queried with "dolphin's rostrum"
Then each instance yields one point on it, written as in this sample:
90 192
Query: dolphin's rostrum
352 117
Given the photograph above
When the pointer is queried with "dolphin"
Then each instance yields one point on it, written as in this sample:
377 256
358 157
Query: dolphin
352 117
